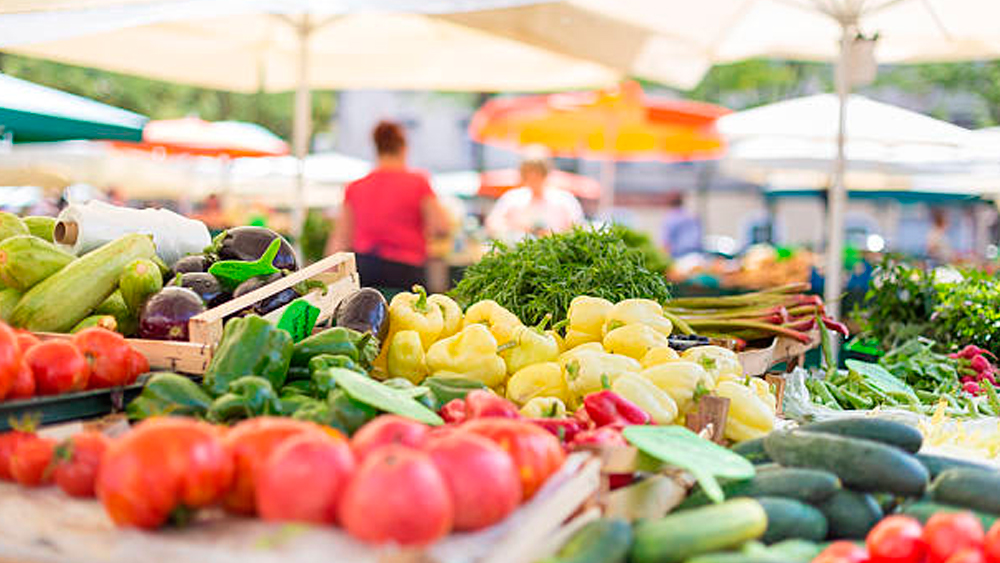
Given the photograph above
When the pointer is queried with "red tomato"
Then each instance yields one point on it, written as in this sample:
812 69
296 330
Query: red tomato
481 478
59 367
160 465
535 451
250 443
299 459
31 461
991 547
24 383
77 461
946 534
967 555
397 494
388 429
137 365
25 340
10 359
107 354
9 441
842 552
896 539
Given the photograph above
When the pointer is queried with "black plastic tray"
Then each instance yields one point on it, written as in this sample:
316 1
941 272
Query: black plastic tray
70 406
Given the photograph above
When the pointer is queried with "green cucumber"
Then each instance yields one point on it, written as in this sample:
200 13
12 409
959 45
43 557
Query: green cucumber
66 297
11 226
140 279
8 300
41 227
26 260
806 485
863 465
937 464
790 519
681 536
753 451
888 432
605 540
850 514
788 551
115 306
978 489
923 510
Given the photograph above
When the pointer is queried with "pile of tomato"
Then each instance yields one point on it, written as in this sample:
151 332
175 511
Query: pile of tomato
395 480
953 537
94 358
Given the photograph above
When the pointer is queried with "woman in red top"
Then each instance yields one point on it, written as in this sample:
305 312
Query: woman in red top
387 217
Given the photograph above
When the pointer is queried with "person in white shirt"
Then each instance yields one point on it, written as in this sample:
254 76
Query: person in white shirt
534 209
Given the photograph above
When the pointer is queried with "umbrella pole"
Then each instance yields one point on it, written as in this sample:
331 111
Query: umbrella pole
607 199
837 195
301 127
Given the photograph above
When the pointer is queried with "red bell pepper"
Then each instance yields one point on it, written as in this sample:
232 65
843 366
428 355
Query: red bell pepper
604 436
607 407
563 428
586 423
481 404
453 411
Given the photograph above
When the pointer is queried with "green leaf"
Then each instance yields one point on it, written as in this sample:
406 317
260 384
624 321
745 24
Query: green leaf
235 272
880 378
370 392
678 446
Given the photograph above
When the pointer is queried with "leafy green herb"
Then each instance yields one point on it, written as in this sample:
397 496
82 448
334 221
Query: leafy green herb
537 277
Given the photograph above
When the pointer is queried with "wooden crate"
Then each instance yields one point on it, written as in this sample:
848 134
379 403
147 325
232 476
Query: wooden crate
338 272
45 526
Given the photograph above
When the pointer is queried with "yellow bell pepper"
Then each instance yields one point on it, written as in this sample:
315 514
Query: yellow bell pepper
406 356
633 340
763 390
721 363
530 345
681 380
657 356
749 416
587 372
451 314
501 322
472 354
410 311
633 311
537 380
544 407
585 318
560 341
588 347
660 406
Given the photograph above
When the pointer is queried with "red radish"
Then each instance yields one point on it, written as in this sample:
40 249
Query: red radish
972 388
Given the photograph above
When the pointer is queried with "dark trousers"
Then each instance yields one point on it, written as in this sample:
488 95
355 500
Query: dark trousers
388 276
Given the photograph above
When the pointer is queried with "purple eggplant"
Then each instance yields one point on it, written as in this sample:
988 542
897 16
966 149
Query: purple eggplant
205 285
194 263
365 310
268 304
166 314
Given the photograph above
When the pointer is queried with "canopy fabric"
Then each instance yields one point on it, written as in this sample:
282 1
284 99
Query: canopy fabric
253 45
619 123
22 6
193 136
35 113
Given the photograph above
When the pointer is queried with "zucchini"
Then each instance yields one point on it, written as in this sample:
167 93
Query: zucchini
114 305
11 226
863 465
788 551
753 451
923 510
849 514
806 485
605 540
65 298
790 519
8 300
937 464
41 227
141 278
890 432
26 260
978 489
681 536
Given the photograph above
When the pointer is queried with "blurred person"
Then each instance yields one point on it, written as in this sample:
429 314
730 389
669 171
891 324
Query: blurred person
681 229
938 245
388 216
211 213
535 208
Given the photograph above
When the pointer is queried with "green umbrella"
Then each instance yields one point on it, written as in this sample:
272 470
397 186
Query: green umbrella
33 113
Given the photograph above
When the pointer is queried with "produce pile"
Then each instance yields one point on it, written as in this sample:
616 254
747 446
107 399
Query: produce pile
124 286
95 358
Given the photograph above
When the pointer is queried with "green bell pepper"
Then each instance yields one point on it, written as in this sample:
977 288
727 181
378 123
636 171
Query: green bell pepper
169 393
297 373
349 414
337 341
447 388
248 396
300 387
422 394
290 403
250 346
324 361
